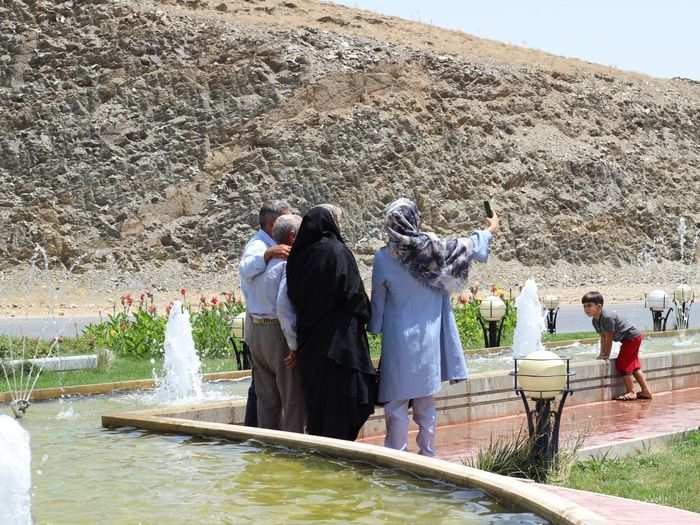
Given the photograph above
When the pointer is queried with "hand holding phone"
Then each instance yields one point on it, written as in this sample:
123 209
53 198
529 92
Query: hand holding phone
491 219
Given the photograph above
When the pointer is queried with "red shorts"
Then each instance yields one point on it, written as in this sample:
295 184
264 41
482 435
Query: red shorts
628 358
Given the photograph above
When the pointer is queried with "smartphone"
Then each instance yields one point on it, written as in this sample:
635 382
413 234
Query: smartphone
488 209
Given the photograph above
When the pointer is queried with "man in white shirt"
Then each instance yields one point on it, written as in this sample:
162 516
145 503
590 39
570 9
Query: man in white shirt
256 254
277 381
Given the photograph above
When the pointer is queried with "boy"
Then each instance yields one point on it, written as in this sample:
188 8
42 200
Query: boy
612 327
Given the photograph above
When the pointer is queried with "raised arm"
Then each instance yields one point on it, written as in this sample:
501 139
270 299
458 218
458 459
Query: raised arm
253 260
480 240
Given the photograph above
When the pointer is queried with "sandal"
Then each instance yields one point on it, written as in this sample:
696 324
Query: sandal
629 396
642 395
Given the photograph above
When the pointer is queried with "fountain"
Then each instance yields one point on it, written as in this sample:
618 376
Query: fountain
15 473
183 377
527 337
21 376
540 375
682 231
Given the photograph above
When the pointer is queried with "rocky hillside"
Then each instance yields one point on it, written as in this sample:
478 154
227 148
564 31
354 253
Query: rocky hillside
144 132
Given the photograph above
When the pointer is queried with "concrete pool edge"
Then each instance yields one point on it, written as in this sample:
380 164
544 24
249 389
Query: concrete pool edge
521 494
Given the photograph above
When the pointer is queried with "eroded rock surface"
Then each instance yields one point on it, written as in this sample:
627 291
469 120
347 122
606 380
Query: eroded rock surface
142 132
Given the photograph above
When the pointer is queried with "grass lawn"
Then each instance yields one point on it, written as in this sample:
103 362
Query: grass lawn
568 336
669 477
31 346
122 369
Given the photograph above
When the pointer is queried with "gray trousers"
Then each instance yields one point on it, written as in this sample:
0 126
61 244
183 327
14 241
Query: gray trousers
396 418
280 397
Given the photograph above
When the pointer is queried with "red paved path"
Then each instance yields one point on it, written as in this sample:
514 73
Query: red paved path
604 423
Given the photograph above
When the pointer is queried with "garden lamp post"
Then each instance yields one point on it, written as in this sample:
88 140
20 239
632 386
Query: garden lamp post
492 312
551 304
542 377
238 333
656 301
683 297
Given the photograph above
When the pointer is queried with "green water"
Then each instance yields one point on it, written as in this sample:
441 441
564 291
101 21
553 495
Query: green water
83 474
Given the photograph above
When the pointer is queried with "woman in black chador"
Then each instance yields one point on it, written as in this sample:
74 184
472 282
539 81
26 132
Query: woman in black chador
332 308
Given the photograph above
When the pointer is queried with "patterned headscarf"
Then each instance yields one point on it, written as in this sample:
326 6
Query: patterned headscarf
442 264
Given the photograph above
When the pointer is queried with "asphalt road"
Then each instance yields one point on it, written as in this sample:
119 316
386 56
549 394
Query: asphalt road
44 327
572 319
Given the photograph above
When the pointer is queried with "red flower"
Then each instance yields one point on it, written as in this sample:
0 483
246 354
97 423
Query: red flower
152 309
183 291
215 300
129 300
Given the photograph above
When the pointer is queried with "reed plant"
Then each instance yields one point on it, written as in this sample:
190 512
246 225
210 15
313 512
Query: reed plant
513 456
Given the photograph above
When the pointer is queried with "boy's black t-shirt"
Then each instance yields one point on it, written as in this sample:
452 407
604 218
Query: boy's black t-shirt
611 322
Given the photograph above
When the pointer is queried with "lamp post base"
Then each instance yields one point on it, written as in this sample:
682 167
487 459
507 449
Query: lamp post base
543 422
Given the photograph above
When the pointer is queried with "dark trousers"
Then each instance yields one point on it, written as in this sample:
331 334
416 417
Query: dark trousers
251 407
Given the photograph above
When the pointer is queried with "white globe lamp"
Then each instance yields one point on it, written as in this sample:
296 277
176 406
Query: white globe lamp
683 294
550 302
656 300
542 374
492 308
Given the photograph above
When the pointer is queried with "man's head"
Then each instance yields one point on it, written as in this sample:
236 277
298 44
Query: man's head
593 304
285 229
269 213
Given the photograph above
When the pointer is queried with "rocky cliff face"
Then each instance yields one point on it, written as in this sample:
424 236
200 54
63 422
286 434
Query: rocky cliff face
143 132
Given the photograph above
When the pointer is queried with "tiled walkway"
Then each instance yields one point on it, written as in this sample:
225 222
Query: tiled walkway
600 424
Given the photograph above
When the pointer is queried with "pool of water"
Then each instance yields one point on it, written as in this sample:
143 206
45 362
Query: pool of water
83 474
496 362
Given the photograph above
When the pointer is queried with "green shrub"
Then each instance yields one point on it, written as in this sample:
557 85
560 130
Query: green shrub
470 331
211 326
141 332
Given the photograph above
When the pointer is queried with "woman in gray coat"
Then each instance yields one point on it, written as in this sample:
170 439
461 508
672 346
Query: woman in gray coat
412 279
